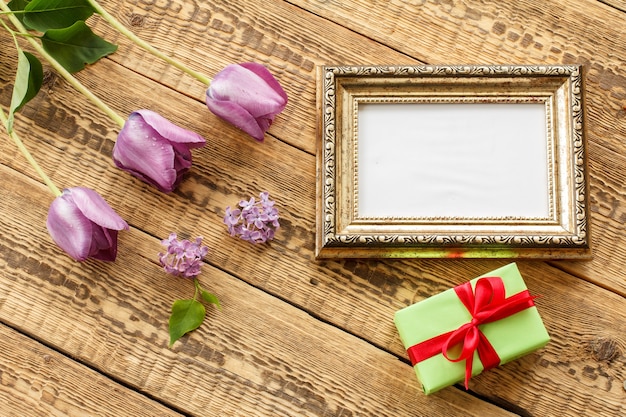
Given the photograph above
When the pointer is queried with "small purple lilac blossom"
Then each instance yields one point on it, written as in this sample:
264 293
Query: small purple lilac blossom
183 258
253 221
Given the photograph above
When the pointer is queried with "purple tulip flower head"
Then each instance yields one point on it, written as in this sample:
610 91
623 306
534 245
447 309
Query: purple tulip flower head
84 225
155 150
248 96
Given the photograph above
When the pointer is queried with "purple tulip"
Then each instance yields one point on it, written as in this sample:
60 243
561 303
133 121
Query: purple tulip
84 225
155 150
248 96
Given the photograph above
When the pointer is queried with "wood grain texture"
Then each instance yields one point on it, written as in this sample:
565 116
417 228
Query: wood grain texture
423 31
412 33
256 356
358 296
38 381
288 40
283 344
607 192
526 32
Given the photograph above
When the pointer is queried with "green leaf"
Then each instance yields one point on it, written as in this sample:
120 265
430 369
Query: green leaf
76 46
42 15
210 298
187 315
28 81
18 6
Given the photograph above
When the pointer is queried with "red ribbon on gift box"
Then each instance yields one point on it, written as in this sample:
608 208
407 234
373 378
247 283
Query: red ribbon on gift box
486 303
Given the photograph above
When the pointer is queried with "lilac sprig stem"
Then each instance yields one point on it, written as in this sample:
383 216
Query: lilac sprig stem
183 258
29 157
21 30
145 45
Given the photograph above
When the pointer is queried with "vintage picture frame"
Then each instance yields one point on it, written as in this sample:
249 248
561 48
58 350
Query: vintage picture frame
451 162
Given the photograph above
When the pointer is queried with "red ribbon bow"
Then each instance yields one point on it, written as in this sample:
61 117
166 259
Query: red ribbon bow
486 304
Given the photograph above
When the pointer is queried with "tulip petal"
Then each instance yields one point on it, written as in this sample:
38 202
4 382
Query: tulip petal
69 228
103 244
251 91
182 159
267 76
169 130
140 150
95 208
237 115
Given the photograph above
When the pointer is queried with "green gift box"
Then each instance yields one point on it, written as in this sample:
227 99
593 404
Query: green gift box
447 343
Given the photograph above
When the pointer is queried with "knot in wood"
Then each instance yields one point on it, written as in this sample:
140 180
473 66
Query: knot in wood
136 20
49 78
604 349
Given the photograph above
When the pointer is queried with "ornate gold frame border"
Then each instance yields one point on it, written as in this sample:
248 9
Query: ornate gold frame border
341 233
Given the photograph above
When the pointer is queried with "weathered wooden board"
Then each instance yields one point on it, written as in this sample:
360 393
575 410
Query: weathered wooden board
358 296
38 381
411 33
582 370
257 356
617 4
607 191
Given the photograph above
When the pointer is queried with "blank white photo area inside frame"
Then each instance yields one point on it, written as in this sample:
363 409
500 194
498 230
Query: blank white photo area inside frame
452 159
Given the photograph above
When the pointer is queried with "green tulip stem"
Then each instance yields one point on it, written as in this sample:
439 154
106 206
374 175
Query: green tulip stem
130 35
17 46
197 290
28 156
59 68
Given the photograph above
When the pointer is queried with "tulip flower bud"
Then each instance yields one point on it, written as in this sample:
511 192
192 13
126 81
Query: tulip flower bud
248 96
155 150
84 225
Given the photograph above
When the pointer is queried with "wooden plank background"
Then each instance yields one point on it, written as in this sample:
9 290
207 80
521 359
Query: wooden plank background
295 336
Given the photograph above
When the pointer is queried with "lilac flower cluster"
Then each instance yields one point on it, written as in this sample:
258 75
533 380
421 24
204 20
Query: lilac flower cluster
183 258
254 221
